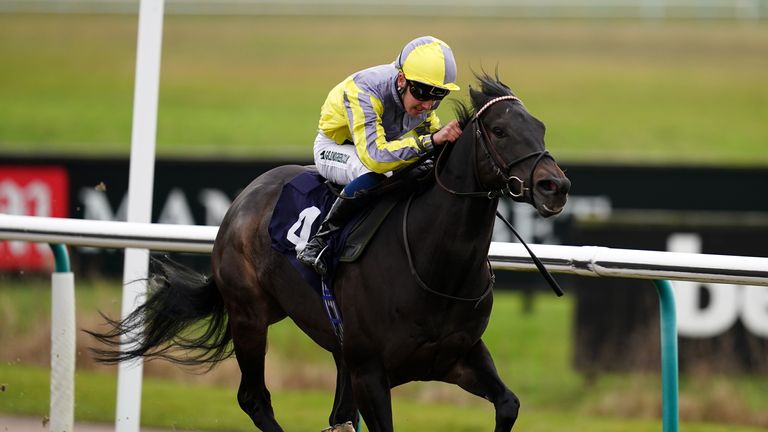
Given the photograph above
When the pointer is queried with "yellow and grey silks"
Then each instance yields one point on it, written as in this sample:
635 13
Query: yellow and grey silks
365 109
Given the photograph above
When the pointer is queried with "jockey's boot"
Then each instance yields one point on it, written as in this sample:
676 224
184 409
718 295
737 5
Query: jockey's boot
312 255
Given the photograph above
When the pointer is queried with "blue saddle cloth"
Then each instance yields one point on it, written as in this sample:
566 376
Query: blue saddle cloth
299 211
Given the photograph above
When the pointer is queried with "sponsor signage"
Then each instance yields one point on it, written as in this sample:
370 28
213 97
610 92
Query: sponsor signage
721 327
34 191
703 209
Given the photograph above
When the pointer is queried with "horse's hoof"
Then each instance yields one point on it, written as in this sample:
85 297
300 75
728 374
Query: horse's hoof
345 427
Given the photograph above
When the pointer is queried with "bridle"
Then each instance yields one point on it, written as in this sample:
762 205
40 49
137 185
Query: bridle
502 169
513 186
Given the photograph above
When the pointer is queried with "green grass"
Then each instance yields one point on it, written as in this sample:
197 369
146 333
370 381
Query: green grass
202 407
532 353
252 86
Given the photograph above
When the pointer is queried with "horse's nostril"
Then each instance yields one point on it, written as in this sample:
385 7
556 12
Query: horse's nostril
548 186
554 185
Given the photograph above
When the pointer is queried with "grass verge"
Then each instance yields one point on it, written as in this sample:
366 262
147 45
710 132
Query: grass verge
532 352
659 92
175 405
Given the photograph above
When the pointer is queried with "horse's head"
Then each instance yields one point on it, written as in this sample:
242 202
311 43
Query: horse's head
510 156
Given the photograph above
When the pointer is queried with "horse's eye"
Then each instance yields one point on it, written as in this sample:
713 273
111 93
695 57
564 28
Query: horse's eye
498 132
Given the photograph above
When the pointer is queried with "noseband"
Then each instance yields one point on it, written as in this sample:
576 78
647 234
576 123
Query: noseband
513 186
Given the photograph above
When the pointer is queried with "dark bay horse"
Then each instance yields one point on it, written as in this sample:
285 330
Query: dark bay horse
415 305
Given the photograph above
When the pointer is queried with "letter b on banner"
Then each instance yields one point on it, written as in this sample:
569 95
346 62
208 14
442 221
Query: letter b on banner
726 303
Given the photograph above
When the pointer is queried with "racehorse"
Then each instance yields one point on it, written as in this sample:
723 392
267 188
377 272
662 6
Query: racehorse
414 305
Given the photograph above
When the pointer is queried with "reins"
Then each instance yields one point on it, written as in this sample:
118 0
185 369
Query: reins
421 283
539 265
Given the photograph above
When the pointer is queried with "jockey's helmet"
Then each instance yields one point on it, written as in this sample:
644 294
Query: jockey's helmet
428 60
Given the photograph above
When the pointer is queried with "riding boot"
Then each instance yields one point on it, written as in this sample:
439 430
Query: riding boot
312 255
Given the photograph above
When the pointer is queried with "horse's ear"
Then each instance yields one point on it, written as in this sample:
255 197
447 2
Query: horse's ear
476 96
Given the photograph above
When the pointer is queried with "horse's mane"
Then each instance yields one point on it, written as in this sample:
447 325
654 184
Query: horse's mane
490 87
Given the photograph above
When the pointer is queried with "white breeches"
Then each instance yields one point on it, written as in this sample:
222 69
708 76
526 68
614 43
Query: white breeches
338 163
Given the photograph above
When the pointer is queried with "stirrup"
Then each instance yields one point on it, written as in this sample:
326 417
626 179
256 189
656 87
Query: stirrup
319 265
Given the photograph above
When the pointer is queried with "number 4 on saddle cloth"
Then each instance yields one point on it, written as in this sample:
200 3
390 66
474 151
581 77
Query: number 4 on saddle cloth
300 210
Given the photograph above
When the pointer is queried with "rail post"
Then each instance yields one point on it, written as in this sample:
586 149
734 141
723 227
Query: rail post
670 413
62 412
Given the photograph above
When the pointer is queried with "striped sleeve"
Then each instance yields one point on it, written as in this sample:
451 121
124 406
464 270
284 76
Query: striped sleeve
434 122
364 113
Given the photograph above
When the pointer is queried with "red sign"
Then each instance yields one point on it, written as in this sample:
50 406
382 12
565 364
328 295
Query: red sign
31 191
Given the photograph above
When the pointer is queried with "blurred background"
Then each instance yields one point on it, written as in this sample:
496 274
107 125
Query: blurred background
657 109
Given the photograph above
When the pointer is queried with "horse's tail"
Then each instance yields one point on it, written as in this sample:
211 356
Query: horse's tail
183 312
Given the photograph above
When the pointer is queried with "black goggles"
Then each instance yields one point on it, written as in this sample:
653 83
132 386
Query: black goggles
426 92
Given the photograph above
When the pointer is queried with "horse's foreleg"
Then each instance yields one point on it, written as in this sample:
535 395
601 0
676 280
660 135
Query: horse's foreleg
477 374
344 408
372 394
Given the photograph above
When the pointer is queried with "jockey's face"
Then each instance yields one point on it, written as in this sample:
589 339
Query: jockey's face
413 106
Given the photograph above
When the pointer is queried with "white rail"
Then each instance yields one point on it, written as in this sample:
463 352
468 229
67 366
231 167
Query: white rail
635 264
579 260
108 234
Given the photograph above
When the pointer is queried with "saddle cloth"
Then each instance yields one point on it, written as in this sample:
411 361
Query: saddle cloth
299 211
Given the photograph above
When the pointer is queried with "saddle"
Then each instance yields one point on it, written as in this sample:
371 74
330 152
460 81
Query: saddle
302 206
362 228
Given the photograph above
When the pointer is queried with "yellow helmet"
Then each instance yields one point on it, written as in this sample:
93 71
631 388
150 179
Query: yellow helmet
430 61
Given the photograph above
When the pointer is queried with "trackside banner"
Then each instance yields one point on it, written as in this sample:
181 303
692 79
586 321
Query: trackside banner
36 190
678 208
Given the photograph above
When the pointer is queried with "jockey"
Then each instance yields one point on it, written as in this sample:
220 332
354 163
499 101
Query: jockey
377 121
